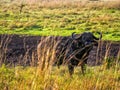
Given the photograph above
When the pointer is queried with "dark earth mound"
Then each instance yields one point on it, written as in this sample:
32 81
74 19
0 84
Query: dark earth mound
21 50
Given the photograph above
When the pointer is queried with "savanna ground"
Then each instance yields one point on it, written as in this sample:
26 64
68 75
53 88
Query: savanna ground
60 18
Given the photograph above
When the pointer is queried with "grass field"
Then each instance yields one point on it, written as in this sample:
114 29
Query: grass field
61 18
30 78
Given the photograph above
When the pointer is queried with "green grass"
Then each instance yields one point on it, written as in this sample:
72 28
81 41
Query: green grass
59 21
30 78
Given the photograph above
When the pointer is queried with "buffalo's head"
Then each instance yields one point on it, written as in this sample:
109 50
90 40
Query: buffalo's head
84 39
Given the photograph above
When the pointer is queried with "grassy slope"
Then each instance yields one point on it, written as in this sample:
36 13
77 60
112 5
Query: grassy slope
35 20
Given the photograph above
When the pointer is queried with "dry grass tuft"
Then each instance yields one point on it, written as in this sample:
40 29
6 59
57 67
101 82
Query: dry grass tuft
46 52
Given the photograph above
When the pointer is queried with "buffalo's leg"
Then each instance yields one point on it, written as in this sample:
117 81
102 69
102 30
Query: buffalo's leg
83 68
59 63
71 69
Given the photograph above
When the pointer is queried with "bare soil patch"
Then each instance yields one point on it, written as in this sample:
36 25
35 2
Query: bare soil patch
21 50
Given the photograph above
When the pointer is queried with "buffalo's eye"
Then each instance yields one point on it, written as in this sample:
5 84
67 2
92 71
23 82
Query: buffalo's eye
88 42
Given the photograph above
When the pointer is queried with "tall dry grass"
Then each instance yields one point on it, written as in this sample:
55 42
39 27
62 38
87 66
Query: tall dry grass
46 52
4 41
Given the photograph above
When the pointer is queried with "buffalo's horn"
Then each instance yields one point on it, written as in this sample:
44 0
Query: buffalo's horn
99 37
74 36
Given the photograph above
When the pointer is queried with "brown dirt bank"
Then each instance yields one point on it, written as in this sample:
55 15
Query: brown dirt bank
21 50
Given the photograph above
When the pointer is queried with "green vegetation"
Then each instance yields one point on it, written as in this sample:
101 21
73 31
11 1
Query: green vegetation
30 78
37 19
60 18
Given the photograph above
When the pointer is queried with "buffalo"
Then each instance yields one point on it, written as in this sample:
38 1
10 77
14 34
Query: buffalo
71 50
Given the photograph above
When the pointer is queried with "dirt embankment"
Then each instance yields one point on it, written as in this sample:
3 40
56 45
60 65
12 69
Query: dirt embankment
21 50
